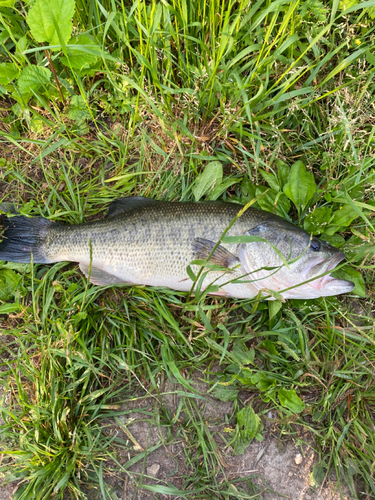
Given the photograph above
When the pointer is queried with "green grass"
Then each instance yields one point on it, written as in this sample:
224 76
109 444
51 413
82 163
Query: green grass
148 96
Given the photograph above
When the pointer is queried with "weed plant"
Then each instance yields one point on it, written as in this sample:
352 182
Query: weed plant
267 100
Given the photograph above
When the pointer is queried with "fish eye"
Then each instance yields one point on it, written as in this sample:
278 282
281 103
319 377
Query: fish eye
315 245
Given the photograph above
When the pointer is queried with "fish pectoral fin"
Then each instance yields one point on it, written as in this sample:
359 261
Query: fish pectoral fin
221 256
100 277
127 204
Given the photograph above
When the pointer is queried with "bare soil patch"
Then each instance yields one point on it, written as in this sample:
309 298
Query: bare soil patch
157 453
155 441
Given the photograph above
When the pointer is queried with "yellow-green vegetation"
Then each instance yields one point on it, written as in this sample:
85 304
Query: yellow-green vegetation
267 100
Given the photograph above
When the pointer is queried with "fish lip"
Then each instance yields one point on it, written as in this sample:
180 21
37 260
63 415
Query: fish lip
325 268
339 285
336 259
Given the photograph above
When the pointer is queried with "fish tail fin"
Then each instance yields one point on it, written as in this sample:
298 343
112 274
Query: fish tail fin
23 237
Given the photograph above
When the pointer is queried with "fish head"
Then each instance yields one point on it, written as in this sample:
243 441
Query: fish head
283 258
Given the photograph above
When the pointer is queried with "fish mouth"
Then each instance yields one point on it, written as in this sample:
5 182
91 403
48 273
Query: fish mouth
327 281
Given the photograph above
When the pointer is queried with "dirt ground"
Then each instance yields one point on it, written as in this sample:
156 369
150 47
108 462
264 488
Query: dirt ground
274 469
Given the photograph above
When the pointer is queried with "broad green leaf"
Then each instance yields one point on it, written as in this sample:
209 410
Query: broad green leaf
32 78
356 248
342 218
317 221
36 125
211 176
7 3
274 307
271 179
78 58
316 477
356 192
79 316
8 72
262 381
225 393
248 190
16 266
72 287
350 274
78 111
272 201
51 21
9 308
243 376
9 284
21 46
242 355
283 172
290 400
223 186
249 423
335 239
269 346
301 185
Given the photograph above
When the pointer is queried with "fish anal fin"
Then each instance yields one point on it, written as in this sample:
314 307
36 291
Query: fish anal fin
100 277
128 204
221 256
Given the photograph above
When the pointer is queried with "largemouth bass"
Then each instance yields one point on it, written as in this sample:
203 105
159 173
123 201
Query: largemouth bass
148 242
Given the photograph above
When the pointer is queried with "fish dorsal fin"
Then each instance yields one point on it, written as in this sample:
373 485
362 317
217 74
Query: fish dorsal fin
127 204
100 277
221 256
